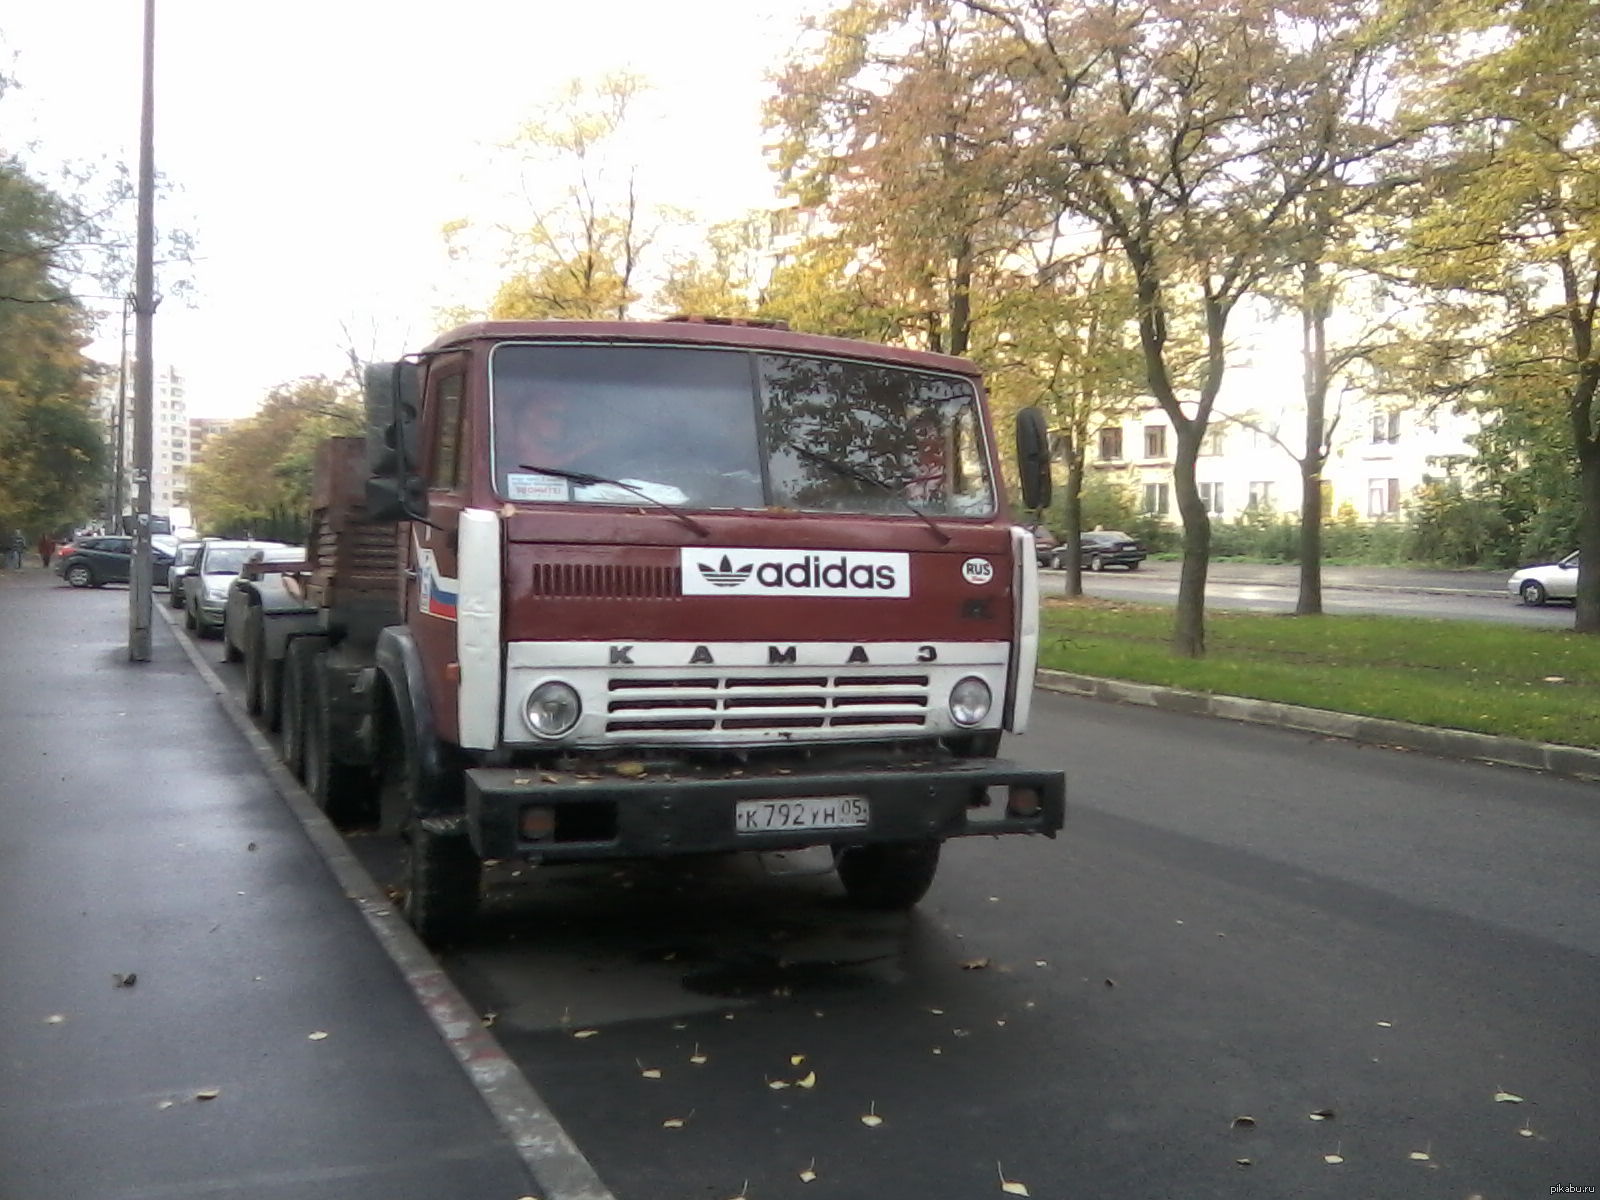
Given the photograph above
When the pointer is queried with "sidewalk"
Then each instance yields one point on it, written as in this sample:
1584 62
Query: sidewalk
261 1044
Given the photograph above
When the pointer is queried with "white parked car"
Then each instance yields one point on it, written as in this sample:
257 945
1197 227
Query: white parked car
205 587
1552 581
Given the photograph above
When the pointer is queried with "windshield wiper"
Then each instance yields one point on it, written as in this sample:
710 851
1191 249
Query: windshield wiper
584 479
850 472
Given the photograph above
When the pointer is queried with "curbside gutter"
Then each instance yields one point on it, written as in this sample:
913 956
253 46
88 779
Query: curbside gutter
1574 762
553 1159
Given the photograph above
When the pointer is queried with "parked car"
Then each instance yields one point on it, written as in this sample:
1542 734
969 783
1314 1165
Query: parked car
1551 581
181 564
168 545
205 588
1044 543
104 558
1102 548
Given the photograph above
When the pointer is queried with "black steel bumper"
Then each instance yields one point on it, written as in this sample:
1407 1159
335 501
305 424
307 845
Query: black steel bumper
610 816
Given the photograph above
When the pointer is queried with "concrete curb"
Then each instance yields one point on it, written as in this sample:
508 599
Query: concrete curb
1573 762
553 1159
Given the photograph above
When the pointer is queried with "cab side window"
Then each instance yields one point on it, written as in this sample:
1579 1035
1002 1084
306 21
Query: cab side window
446 473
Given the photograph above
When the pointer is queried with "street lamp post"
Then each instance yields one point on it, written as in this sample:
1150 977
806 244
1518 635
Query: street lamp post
140 577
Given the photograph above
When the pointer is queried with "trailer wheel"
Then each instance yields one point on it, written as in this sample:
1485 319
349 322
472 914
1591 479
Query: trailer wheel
887 875
443 883
299 661
343 792
255 646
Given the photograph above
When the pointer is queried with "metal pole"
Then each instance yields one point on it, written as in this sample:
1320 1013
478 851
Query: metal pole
119 466
139 589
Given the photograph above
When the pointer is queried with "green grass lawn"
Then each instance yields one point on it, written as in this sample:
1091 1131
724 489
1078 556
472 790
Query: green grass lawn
1527 683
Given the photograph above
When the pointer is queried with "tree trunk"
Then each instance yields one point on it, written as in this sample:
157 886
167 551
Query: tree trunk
1072 545
1189 629
1309 602
1587 618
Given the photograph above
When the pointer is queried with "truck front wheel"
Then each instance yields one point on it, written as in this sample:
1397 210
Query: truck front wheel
343 791
887 875
443 882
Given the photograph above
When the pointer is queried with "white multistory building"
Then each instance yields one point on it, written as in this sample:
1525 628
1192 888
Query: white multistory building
170 442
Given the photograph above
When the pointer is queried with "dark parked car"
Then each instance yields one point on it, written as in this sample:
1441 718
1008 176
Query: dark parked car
105 558
1103 548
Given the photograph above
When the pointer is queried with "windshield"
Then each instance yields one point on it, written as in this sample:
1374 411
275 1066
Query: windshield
714 428
226 560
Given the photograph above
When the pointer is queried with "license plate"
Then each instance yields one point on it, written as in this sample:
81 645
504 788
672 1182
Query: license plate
800 812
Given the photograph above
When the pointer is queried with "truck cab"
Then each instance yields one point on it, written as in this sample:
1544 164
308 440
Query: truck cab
684 587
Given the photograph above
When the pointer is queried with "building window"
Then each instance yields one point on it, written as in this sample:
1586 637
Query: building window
1383 497
1212 442
1155 499
1155 441
1261 495
1385 428
1211 498
1111 444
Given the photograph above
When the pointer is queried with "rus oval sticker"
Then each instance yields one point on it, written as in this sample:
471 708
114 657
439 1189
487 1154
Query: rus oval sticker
977 570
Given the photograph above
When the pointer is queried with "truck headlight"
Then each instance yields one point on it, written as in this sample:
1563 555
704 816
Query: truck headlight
970 700
552 709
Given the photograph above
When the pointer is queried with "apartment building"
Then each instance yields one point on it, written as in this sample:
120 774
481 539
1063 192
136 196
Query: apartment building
170 457
1380 456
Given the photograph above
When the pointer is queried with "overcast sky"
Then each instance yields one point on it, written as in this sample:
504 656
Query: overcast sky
318 147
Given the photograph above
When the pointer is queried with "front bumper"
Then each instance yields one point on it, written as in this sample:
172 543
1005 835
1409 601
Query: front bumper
599 817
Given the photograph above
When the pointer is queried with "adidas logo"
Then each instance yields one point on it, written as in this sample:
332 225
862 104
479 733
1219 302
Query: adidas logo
725 574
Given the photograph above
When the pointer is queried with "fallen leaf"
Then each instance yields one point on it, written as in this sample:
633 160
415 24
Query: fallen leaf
251 846
489 1019
796 1059
1333 1158
166 1104
208 1094
1507 1098
1525 1131
810 1080
651 1072
124 981
1243 1162
937 1050
1386 1024
1321 1114
807 1175
1555 679
938 1012
871 1117
585 1033
742 1191
777 1085
994 899
672 1123
1039 962
1419 1155
629 770
680 1024
1010 1186
1243 1122
697 1058
318 1036
1111 983
975 964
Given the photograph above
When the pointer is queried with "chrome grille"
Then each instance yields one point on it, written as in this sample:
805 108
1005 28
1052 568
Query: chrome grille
812 701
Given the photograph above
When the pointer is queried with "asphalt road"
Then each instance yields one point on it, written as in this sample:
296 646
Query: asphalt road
1238 923
1448 595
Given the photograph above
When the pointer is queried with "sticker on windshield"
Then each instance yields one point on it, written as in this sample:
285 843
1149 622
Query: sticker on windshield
521 485
977 570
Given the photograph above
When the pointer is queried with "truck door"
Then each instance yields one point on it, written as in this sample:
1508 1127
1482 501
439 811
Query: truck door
434 586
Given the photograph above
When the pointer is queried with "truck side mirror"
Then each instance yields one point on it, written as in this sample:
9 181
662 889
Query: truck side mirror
1033 458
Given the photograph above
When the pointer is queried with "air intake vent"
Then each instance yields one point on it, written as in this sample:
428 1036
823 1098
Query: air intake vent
858 702
606 581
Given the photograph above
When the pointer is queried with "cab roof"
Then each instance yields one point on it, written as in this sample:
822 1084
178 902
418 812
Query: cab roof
741 337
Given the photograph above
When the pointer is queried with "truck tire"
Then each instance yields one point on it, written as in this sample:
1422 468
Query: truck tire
299 662
235 651
342 791
255 645
887 876
444 883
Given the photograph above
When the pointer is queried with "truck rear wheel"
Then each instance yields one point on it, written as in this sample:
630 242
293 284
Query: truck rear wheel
342 791
299 661
887 875
255 646
444 882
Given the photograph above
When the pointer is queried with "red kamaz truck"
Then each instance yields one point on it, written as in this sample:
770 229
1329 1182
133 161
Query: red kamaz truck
599 590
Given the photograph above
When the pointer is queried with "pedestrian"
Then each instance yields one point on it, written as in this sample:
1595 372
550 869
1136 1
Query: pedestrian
14 553
46 548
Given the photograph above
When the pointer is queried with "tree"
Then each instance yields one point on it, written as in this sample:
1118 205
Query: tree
1506 238
51 452
895 131
577 252
258 474
1187 132
725 279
